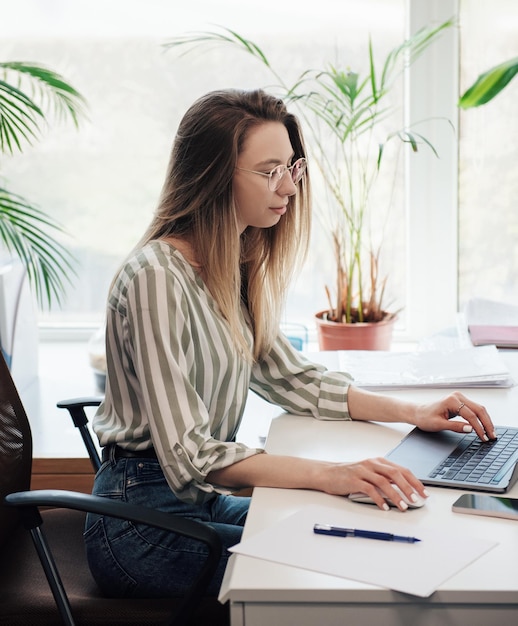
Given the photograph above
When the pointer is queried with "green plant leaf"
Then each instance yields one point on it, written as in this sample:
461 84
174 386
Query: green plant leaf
28 92
21 115
24 230
489 84
410 50
227 36
18 116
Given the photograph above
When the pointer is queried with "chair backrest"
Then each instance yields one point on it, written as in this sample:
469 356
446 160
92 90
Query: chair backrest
15 450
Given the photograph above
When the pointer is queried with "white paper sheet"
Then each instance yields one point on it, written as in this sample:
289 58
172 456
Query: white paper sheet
471 367
417 569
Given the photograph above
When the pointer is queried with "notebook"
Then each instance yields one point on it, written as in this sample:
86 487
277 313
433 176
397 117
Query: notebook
500 336
492 322
459 460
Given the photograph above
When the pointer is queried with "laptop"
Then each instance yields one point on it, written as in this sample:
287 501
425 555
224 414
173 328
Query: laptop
459 460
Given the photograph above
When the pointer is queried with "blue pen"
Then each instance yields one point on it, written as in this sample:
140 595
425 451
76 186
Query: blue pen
336 531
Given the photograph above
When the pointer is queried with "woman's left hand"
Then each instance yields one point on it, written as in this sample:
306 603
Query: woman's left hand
438 416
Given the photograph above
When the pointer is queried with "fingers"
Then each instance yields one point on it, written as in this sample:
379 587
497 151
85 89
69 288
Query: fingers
438 416
474 414
378 478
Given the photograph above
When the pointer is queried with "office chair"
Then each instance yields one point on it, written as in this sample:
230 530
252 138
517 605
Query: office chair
44 575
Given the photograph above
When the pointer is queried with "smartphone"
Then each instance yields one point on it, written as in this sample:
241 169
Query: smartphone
492 506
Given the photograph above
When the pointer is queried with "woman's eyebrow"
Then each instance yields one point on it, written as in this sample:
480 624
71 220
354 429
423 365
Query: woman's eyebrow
269 162
273 162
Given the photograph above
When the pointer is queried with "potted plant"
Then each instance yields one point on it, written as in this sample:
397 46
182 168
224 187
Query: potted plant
344 113
25 230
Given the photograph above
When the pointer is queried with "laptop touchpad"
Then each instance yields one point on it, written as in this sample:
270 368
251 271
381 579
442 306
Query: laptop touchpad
420 452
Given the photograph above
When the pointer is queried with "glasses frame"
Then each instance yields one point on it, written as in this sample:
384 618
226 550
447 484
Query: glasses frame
284 168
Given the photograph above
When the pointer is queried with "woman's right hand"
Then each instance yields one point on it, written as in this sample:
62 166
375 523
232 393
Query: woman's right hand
371 477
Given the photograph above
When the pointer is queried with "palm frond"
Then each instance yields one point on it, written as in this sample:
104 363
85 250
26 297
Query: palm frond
410 50
28 94
27 90
226 36
18 117
24 230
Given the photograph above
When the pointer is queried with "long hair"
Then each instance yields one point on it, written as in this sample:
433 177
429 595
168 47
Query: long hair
197 204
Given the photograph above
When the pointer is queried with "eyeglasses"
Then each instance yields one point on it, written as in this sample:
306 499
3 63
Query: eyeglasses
279 171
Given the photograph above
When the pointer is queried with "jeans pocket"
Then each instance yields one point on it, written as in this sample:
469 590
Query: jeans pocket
107 571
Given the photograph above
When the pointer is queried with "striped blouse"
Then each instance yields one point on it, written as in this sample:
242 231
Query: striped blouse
176 382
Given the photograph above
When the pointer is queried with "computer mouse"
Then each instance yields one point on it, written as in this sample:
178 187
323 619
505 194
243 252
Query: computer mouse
363 498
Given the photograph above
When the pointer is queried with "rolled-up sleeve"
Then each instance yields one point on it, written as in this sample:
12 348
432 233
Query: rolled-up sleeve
285 377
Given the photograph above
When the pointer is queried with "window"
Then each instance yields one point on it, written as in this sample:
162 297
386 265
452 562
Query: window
102 182
488 167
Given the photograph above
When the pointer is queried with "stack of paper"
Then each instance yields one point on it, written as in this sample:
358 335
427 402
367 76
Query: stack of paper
468 367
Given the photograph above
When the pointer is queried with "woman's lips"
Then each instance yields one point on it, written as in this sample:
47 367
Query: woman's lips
281 210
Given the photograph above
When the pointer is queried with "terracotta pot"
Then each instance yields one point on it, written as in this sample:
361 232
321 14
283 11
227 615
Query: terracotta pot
357 336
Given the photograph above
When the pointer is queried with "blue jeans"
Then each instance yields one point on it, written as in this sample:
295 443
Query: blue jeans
133 560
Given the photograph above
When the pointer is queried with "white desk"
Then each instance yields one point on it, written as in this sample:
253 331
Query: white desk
262 592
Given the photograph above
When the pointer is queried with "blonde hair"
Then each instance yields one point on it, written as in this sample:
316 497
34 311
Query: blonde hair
197 205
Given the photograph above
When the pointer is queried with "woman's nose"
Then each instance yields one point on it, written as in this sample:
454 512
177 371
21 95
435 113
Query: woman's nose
287 186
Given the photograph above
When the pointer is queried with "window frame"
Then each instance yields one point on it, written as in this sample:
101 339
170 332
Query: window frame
432 91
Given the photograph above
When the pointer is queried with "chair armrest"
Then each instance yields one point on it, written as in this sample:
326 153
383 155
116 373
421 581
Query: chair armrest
76 406
28 502
58 498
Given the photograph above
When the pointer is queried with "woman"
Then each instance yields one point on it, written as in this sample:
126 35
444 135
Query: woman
193 324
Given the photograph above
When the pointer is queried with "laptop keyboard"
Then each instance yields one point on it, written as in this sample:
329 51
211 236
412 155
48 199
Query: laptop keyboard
476 461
